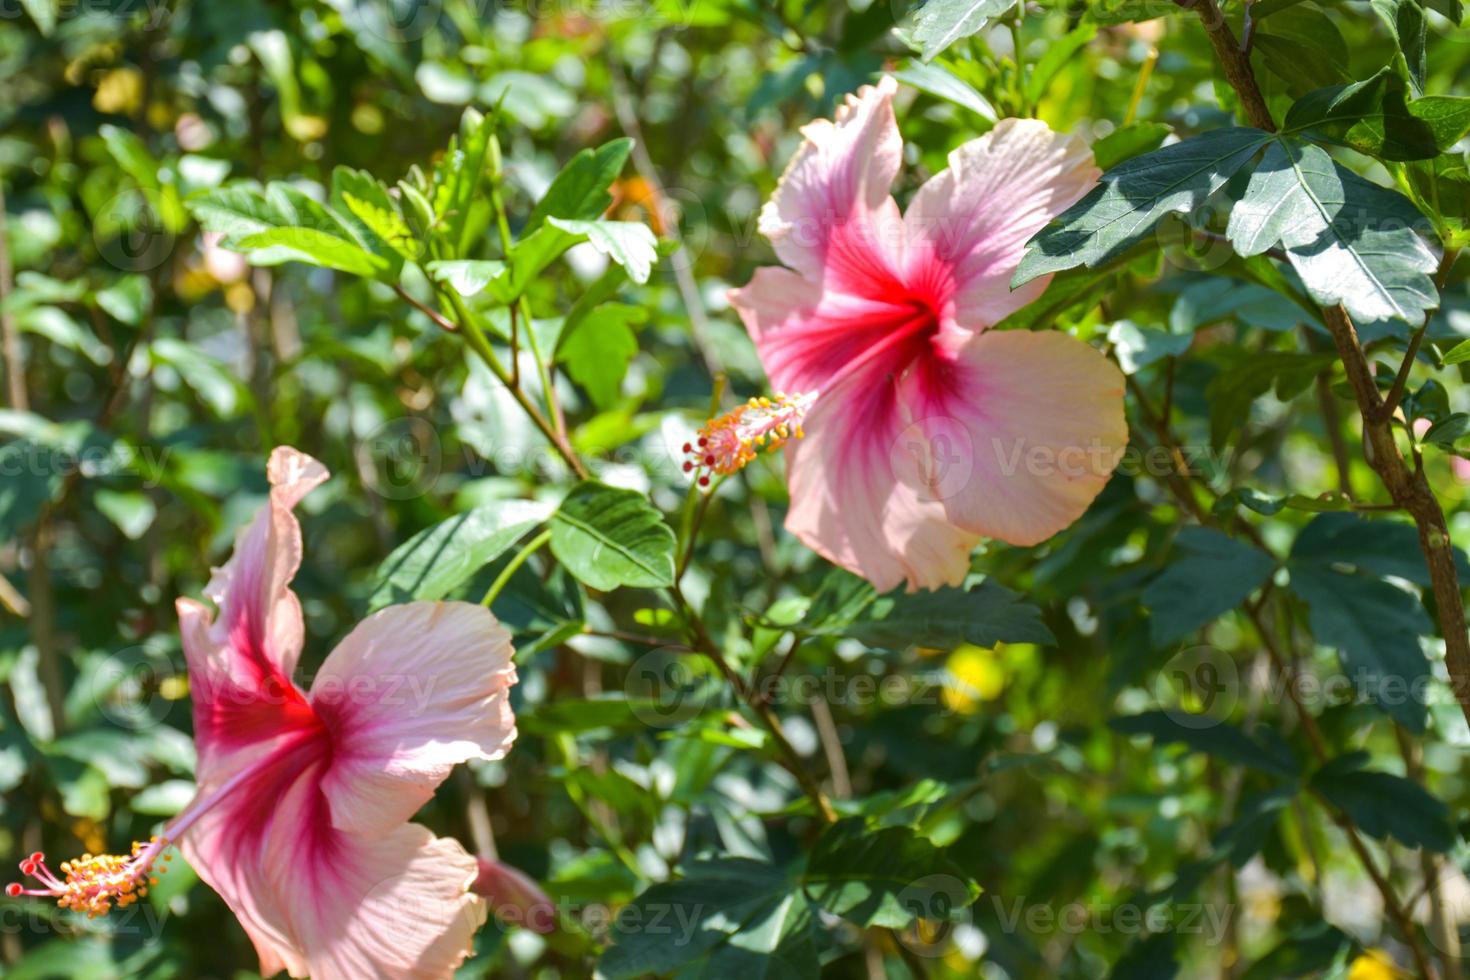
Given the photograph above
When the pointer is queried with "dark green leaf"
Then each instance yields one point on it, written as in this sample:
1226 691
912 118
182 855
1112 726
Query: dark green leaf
1210 575
1351 241
985 614
678 922
1219 739
884 877
1375 628
1377 547
1132 197
1385 805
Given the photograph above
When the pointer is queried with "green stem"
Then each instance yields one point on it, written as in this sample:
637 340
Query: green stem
481 346
507 243
531 548
1017 53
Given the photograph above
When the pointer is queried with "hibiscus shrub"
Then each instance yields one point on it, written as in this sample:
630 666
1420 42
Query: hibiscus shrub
707 488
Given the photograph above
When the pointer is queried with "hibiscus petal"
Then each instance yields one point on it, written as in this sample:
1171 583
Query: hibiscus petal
384 907
807 336
240 662
1016 437
847 506
411 692
967 227
831 215
334 905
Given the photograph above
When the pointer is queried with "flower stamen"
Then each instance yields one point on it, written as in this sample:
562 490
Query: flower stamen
95 883
727 443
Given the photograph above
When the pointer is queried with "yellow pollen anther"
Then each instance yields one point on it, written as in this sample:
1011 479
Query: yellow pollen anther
727 443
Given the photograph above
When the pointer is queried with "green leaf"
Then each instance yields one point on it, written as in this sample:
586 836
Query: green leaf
529 257
1385 805
1131 198
1406 22
468 277
1254 820
59 327
132 512
940 23
277 246
598 352
609 537
1210 575
1301 46
374 217
1219 739
1373 117
43 13
1351 241
283 224
235 212
630 244
1376 547
1308 952
1375 628
459 198
753 905
1442 188
439 559
1447 431
884 877
1218 299
1458 354
214 383
580 191
1137 347
984 615
128 300
940 82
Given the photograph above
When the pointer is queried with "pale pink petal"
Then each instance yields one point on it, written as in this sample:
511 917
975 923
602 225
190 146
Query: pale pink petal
1019 434
228 848
1461 468
241 661
330 904
831 216
968 226
390 906
848 505
411 692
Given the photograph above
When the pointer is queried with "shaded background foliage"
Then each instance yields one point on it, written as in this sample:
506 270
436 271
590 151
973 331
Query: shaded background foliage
1130 746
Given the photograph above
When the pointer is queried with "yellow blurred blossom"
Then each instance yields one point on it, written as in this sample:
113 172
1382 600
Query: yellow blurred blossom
119 91
972 675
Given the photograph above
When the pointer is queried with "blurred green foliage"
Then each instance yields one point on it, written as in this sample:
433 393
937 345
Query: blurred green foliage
1088 763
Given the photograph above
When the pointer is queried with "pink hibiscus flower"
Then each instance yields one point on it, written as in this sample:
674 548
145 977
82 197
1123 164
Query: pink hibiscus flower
301 819
929 432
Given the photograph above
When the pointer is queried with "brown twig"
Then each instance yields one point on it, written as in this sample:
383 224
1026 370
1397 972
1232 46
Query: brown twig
702 641
15 369
439 319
